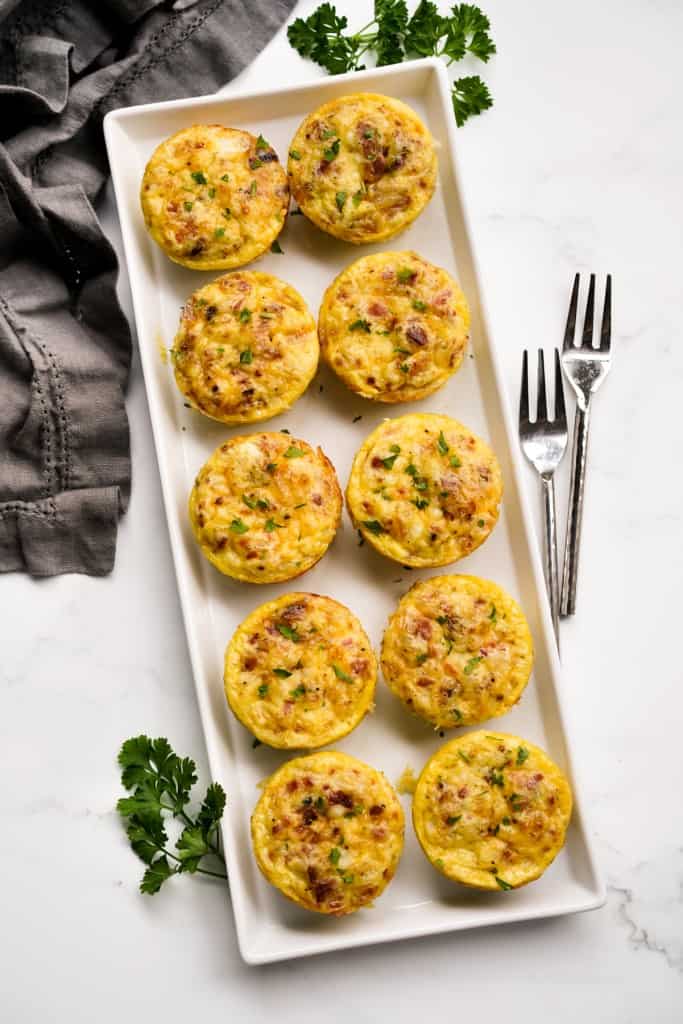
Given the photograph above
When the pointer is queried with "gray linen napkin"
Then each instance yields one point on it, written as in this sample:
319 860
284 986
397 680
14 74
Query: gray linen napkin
65 345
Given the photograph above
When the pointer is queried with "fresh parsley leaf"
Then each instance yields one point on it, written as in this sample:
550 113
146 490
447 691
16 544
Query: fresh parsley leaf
443 444
294 453
470 96
299 691
245 315
331 151
263 689
405 274
373 526
287 632
453 820
334 855
455 462
188 206
360 325
389 461
272 525
522 755
392 21
472 664
155 876
425 29
295 154
421 658
261 143
320 37
198 177
340 199
282 673
237 526
419 305
341 674
246 357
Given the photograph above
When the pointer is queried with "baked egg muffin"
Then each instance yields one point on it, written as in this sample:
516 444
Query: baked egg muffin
491 810
393 326
328 832
457 651
246 347
424 490
214 197
265 507
362 167
300 672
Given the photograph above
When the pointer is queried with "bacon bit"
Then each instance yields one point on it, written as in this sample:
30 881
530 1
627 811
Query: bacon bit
312 873
378 309
308 782
340 797
538 776
416 334
292 785
424 681
252 554
324 889
376 810
376 462
308 815
294 611
250 663
378 833
507 853
359 666
423 628
462 792
441 298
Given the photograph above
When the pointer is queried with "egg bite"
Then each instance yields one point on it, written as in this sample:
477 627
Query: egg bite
328 832
265 507
246 347
457 651
424 490
213 197
491 810
362 167
300 672
394 327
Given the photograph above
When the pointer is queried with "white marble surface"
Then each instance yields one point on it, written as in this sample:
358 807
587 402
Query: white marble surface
577 167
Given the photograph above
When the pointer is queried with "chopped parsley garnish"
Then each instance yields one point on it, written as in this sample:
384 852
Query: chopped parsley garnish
294 453
480 523
457 713
453 820
421 658
360 325
262 504
505 820
255 163
212 193
252 188
404 368
219 232
301 504
249 502
465 757
246 356
188 206
199 177
403 351
263 689
455 462
472 664
298 692
288 633
522 754
419 305
237 526
346 879
226 213
245 315
282 673
420 503
261 143
340 199
329 133
335 854
272 525
405 274
277 248
373 526
332 151
497 778
341 674
442 444
389 461
505 886
493 614
225 177
356 198
411 469
271 467
295 154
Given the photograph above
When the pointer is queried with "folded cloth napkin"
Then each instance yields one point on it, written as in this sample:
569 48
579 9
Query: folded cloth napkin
65 345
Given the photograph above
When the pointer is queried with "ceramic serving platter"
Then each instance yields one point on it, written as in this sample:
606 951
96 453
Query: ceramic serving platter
418 901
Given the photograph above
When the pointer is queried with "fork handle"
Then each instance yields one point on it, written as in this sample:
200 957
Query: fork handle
575 511
550 552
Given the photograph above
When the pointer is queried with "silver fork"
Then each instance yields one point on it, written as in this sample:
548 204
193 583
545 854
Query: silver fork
544 441
585 368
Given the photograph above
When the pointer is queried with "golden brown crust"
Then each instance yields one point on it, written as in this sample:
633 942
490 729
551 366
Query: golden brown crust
457 651
362 167
393 326
300 671
491 810
246 348
328 832
213 197
424 490
265 507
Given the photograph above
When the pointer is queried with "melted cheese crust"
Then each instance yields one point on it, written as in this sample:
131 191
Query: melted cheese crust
328 832
491 810
362 167
300 672
393 326
424 490
246 348
265 507
214 197
457 651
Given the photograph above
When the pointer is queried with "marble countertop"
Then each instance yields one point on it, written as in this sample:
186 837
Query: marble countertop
577 167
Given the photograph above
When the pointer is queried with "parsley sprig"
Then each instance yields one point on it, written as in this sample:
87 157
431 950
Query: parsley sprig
395 36
160 783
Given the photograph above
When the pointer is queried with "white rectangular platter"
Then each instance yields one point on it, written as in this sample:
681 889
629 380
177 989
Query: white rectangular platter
418 901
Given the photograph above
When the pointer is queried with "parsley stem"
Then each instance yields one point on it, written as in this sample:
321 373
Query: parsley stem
214 874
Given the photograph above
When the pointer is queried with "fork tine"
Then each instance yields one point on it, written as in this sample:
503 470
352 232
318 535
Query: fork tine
606 329
524 390
571 316
560 411
541 404
587 336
